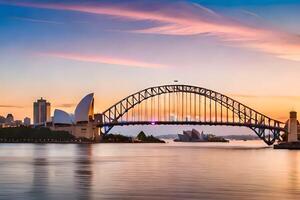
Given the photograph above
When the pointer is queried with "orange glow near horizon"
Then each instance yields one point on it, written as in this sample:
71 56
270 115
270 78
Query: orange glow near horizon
268 105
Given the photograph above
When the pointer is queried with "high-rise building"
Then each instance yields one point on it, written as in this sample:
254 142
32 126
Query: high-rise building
27 121
41 111
9 119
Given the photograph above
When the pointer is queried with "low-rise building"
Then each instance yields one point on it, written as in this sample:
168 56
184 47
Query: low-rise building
9 120
18 123
27 121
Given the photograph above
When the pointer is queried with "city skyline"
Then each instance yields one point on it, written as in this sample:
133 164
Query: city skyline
62 51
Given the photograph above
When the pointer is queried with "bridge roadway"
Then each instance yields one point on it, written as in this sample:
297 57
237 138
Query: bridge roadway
133 123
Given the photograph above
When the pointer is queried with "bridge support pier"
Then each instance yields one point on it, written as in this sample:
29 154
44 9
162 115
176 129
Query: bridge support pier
98 136
292 127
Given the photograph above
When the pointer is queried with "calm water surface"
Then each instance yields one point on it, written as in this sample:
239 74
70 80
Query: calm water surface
238 170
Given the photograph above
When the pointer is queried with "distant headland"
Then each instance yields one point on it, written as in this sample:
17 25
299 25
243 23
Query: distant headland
140 138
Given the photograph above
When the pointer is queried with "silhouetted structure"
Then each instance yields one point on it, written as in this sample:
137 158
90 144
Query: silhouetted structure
27 121
192 136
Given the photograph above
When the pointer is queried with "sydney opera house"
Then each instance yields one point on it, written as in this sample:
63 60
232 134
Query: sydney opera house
81 124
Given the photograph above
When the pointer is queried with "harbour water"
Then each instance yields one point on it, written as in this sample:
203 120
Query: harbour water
235 170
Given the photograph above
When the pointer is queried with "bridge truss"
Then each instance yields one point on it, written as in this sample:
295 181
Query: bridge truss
188 105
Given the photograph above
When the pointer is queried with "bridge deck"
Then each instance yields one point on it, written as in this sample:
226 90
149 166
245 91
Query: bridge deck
249 125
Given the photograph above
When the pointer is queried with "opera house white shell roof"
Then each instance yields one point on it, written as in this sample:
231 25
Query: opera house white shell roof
83 112
61 117
85 109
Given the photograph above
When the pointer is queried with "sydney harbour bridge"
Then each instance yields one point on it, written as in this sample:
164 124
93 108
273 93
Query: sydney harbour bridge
189 105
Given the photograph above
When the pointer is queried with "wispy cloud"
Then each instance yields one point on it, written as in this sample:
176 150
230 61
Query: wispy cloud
184 19
10 106
36 20
247 12
102 59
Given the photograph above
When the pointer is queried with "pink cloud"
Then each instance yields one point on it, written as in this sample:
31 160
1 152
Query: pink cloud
102 59
184 19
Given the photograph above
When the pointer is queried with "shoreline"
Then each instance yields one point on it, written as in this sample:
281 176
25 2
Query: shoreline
74 142
48 142
204 141
288 146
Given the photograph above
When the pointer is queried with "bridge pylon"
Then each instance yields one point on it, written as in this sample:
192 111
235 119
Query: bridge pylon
293 127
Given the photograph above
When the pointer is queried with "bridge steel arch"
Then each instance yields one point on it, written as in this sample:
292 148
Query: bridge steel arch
266 128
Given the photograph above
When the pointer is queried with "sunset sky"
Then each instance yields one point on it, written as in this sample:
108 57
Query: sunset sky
63 50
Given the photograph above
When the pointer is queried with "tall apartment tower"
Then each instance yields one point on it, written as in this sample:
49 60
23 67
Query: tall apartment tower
41 111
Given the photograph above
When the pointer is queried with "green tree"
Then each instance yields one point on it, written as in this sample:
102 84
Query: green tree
142 136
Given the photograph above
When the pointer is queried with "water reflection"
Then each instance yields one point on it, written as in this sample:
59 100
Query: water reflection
40 172
148 171
83 171
293 158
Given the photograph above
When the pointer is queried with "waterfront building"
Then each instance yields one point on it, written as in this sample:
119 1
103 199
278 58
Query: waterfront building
41 111
195 136
98 118
27 121
17 123
192 136
2 121
292 127
82 124
9 119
